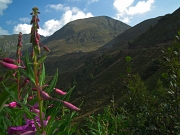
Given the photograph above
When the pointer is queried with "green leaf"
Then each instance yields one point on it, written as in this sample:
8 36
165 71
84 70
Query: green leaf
42 76
29 71
42 59
4 96
128 69
53 83
11 90
128 58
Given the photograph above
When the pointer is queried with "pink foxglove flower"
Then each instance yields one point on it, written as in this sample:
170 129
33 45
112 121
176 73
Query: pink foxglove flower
9 66
70 106
12 104
9 60
30 98
60 92
36 105
28 129
35 110
46 49
45 95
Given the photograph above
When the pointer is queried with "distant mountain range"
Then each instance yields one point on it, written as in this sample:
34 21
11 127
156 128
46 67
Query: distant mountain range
8 43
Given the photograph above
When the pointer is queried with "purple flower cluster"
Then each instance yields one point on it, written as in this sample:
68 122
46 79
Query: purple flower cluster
29 128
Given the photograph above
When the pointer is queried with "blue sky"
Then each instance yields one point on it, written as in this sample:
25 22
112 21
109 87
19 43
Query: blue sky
15 14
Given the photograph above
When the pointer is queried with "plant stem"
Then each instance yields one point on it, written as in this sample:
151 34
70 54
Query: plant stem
40 101
18 83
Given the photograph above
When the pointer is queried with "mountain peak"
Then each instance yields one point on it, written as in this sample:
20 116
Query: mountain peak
85 34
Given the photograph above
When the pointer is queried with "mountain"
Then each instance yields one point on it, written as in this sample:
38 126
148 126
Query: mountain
84 35
160 34
127 37
8 43
97 75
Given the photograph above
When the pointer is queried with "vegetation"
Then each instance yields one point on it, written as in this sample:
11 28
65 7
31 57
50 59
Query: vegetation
144 111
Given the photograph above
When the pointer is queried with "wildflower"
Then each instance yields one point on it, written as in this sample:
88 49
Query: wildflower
60 92
29 128
12 104
9 66
35 110
9 60
30 98
70 106
36 105
45 48
45 95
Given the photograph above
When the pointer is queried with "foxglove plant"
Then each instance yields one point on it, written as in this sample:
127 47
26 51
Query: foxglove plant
30 96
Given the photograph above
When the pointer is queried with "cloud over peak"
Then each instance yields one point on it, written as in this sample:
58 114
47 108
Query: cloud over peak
125 10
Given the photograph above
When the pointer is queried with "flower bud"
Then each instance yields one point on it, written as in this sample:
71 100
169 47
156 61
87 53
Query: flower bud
35 110
8 65
70 106
36 105
60 92
45 95
30 98
46 49
8 60
12 104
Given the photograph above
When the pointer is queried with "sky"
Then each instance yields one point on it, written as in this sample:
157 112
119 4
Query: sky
54 14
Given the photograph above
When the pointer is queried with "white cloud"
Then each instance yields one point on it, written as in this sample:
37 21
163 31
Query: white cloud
50 26
24 28
126 20
25 19
3 32
125 10
3 5
92 1
57 7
